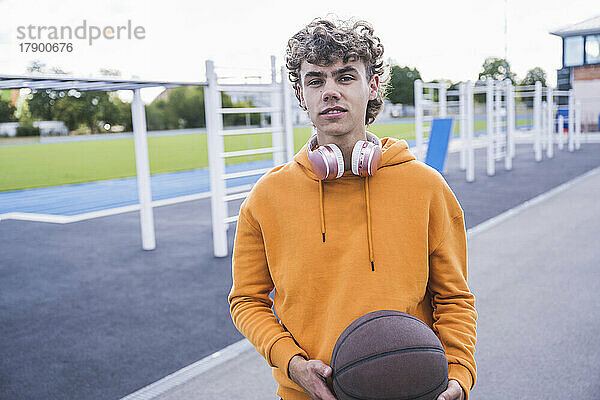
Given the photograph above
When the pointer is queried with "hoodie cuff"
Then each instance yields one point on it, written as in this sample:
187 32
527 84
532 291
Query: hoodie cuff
283 351
462 375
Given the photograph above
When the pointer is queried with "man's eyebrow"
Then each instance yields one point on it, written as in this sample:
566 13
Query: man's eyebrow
344 70
314 73
340 71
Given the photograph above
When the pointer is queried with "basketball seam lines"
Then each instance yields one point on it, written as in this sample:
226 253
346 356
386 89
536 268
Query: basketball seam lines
395 314
387 353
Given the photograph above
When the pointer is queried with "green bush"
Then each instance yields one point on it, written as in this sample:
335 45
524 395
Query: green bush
25 129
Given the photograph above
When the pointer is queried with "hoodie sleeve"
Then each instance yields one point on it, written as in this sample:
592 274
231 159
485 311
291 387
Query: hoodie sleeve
454 314
250 304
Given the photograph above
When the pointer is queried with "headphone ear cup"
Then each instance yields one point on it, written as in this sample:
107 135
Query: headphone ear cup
339 160
327 160
357 152
365 158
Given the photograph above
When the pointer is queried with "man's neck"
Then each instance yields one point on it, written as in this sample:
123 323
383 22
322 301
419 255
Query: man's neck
345 142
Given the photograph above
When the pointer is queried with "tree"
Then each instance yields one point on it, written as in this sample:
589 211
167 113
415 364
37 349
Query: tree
7 111
534 75
402 85
40 103
497 69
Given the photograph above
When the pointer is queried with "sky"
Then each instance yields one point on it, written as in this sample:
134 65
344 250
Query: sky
442 39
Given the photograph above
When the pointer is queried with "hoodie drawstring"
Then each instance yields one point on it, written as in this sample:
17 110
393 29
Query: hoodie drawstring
322 211
369 233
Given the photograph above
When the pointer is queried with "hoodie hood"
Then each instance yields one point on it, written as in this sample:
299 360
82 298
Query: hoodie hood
394 151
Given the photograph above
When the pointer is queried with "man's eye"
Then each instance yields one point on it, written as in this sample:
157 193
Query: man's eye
346 78
314 82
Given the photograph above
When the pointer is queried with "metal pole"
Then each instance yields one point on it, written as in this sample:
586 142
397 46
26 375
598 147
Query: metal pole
470 123
550 111
419 118
276 117
509 102
286 93
561 122
489 111
214 125
537 121
571 121
442 100
463 125
577 125
138 116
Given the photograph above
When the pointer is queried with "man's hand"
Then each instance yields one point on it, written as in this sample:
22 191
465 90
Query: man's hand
454 392
310 375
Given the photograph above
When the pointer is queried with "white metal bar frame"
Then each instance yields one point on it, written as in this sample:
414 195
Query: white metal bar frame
214 122
138 116
281 123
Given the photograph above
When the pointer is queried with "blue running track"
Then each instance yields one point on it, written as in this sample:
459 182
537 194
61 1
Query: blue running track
101 195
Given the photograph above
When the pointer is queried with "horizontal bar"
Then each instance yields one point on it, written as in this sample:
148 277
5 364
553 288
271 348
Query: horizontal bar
561 93
231 219
242 110
246 173
251 152
236 196
250 131
525 87
256 87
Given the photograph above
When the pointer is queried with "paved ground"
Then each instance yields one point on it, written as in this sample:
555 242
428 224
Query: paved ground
535 278
86 314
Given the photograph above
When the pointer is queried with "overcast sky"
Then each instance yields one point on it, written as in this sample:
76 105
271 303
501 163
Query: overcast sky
442 39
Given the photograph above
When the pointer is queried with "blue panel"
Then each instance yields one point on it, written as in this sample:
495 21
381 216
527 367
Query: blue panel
438 143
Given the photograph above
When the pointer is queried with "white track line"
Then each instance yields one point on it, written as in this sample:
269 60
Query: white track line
67 219
190 372
232 351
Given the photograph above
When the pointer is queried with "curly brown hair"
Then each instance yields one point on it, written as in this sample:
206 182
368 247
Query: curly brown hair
323 42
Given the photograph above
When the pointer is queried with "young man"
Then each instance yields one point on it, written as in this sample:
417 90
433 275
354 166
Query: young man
338 233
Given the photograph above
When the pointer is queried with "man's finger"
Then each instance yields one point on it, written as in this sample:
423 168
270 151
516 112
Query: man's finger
453 392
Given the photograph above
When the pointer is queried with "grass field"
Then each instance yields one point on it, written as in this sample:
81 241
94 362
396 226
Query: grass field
39 165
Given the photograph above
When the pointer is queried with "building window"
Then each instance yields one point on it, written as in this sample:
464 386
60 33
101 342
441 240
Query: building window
592 49
573 51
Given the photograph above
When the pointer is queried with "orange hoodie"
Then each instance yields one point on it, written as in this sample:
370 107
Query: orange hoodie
335 250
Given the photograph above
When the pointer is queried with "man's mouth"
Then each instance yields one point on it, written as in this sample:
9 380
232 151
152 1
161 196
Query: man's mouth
333 111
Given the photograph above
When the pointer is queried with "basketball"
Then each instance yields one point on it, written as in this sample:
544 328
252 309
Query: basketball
388 355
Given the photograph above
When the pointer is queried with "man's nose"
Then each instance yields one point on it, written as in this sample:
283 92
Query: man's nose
330 92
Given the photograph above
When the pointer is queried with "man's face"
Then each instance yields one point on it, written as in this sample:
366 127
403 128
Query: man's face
336 96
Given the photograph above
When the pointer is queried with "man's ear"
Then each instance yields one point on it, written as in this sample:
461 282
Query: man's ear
300 96
373 87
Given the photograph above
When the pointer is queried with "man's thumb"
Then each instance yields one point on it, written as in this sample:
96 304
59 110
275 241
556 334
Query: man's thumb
326 371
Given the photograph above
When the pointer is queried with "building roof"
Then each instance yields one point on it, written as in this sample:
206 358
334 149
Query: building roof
62 82
587 27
